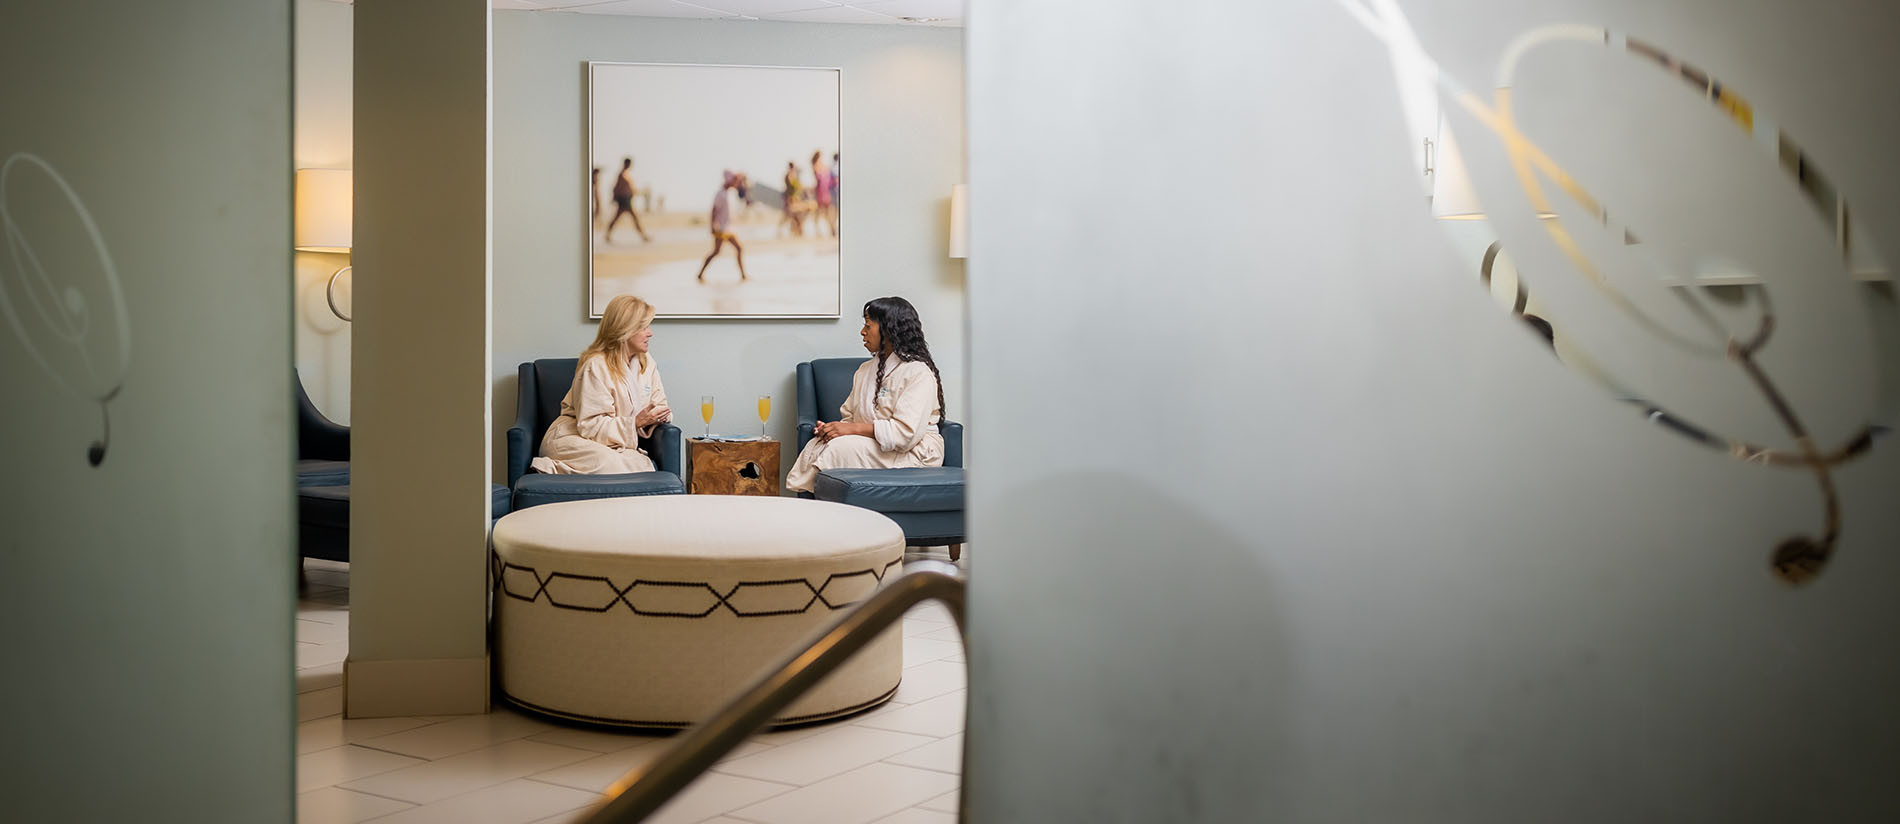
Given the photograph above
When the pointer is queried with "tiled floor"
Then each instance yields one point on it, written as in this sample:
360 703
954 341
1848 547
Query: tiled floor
898 764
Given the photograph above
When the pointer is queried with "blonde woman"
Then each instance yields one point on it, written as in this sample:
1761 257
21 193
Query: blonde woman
616 400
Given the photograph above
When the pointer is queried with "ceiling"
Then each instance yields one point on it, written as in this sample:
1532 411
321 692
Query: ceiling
891 12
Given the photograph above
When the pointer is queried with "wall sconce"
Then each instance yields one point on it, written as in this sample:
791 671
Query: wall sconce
960 220
324 219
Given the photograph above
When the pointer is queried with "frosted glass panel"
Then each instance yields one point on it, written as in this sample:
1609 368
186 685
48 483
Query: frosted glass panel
145 296
1288 514
1683 246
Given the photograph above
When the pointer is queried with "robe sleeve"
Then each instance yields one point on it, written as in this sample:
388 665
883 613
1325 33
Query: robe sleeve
913 405
658 398
596 413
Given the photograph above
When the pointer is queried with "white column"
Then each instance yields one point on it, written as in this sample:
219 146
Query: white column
419 376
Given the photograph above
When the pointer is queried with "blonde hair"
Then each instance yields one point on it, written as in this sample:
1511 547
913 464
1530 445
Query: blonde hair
625 315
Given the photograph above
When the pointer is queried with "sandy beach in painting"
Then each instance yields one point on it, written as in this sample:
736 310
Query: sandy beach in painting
790 275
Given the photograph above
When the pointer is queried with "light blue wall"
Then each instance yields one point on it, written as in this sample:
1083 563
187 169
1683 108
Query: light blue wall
902 134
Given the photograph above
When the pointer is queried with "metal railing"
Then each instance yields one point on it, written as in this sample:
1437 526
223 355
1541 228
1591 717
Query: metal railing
645 789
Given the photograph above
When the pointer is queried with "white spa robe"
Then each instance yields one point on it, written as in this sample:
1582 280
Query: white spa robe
595 434
903 417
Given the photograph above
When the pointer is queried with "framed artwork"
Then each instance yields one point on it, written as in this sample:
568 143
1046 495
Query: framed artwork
713 191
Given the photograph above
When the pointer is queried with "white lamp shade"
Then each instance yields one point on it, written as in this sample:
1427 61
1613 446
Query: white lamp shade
324 200
1452 195
960 220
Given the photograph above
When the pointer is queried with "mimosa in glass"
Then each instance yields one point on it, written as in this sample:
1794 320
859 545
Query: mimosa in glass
765 413
705 412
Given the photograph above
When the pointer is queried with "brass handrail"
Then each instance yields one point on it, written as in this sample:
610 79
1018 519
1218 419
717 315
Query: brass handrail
644 789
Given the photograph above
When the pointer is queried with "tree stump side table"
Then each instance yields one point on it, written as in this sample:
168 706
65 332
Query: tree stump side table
732 467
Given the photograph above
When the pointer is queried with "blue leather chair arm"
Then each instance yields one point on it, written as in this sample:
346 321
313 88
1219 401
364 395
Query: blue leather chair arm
807 404
952 442
519 453
318 437
664 447
325 440
521 448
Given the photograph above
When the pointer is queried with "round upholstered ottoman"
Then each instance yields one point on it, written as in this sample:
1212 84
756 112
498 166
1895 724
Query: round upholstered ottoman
654 611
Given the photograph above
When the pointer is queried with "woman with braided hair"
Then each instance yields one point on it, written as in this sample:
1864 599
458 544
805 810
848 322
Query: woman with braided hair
890 419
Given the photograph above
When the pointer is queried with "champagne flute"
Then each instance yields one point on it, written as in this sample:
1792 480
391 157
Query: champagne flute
765 411
706 412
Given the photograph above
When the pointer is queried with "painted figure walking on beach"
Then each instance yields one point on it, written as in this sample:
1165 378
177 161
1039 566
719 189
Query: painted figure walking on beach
742 187
623 202
722 227
822 192
837 171
593 188
795 205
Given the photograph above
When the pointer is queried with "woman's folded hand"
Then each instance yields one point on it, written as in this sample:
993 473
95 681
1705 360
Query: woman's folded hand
826 431
652 415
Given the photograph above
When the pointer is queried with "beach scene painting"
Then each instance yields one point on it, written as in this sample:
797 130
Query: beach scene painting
714 191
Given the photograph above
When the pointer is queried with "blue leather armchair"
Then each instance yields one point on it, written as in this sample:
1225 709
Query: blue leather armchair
543 383
323 446
323 484
926 501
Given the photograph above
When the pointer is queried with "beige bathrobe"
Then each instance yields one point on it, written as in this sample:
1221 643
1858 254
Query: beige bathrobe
595 434
904 416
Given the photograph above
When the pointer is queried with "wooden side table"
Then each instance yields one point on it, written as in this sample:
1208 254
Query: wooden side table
732 467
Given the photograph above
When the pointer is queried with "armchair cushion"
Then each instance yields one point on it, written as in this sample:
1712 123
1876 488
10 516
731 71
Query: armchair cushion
926 502
312 472
919 489
536 489
929 528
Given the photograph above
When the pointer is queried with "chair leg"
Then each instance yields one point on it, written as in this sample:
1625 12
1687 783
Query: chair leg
956 551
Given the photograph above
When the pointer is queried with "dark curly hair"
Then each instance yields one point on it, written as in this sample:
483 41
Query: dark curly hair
902 334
